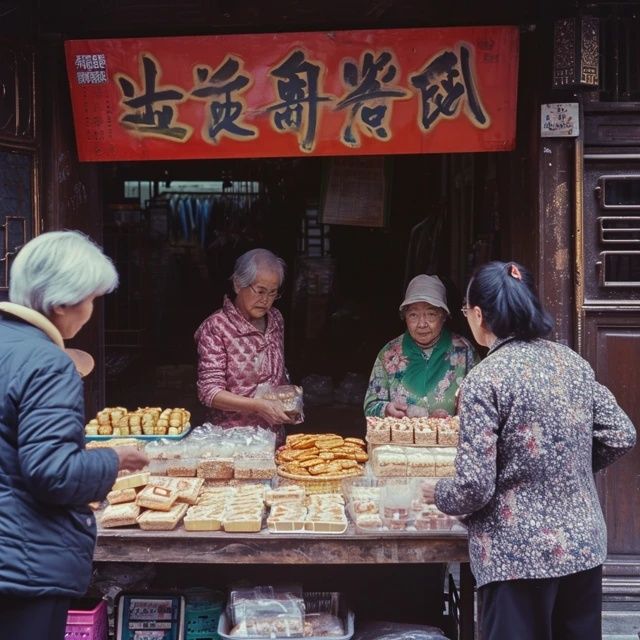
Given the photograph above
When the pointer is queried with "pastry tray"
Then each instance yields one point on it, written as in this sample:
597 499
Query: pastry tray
306 526
185 432
348 620
373 445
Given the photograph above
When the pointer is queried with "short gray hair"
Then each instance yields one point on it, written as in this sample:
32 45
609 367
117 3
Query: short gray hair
60 268
249 263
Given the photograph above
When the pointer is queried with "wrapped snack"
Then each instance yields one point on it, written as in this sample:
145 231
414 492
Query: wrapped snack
211 468
131 480
162 520
378 430
421 463
263 612
120 515
445 462
389 461
323 625
449 431
368 521
120 496
402 431
204 518
187 489
425 431
285 493
244 468
157 498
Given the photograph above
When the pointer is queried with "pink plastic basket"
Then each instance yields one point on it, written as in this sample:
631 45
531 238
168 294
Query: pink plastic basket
87 625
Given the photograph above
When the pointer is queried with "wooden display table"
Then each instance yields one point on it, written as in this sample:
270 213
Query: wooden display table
350 548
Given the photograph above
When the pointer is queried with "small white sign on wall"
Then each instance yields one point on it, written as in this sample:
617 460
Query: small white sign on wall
560 120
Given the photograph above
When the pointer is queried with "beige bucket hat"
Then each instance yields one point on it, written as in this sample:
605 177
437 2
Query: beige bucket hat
425 288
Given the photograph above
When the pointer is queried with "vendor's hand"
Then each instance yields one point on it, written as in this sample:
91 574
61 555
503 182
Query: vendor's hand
396 409
131 458
272 411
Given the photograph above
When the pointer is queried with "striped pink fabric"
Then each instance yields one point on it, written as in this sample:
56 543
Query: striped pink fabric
235 356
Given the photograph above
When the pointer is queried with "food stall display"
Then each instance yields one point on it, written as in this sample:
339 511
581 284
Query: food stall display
227 495
144 421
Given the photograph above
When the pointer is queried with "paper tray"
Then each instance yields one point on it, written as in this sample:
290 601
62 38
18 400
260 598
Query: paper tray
223 630
373 445
186 431
305 526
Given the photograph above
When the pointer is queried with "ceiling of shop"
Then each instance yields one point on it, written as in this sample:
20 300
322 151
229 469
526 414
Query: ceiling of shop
82 18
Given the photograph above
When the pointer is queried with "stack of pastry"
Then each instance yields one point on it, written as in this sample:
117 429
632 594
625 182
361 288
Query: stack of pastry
322 455
149 421
422 430
155 503
392 461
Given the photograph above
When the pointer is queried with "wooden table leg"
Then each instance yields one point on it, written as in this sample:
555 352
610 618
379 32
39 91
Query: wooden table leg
467 585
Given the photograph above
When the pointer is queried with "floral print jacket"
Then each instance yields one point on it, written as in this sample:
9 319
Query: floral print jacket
385 382
534 428
235 356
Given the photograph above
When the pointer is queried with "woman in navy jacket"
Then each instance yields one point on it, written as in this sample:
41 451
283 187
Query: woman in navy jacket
47 478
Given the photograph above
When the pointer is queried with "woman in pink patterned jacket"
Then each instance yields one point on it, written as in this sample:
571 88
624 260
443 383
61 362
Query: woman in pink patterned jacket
242 345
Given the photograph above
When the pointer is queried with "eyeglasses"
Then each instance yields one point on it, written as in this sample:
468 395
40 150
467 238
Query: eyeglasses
263 293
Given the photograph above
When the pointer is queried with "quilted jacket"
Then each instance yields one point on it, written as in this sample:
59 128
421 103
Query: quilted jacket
534 428
47 478
235 356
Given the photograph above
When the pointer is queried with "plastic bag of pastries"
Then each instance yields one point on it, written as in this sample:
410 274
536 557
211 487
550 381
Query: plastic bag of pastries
290 397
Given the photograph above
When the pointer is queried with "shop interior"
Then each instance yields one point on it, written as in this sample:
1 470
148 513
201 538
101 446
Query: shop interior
174 230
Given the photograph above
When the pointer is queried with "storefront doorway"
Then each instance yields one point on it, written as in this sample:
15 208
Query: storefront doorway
175 230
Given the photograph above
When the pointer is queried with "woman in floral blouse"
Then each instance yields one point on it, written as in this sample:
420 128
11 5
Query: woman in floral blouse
535 427
419 372
242 345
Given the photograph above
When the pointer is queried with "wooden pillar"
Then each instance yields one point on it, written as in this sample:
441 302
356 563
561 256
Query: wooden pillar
71 195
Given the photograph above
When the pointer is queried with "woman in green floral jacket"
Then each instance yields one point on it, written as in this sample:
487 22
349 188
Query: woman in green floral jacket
419 372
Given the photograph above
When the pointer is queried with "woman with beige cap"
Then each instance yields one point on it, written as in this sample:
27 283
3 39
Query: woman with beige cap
419 372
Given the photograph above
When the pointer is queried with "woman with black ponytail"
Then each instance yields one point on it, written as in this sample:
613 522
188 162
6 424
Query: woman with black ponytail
535 427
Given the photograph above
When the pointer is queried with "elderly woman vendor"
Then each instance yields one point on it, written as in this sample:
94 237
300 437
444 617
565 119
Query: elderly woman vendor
419 372
242 345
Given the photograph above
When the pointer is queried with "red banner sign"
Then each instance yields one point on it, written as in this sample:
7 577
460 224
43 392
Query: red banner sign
290 94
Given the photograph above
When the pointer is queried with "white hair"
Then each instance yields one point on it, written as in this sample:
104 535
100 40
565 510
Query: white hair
60 268
249 263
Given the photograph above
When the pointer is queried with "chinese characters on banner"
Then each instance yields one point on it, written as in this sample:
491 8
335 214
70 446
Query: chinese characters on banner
295 94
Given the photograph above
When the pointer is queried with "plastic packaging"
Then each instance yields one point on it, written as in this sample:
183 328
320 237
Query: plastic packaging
290 396
263 612
397 631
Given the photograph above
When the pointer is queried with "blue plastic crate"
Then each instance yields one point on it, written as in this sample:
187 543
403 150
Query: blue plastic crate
202 614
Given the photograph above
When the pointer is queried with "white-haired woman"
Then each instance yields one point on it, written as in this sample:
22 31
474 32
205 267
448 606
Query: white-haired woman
47 478
242 345
420 371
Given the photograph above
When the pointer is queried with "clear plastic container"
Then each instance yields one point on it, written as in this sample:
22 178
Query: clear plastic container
395 503
182 467
215 468
157 467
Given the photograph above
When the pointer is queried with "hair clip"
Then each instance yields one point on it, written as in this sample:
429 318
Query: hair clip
514 272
